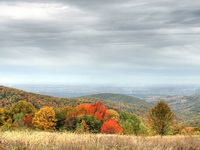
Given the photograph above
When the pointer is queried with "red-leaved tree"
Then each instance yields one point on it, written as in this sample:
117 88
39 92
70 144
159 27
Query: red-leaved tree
98 110
27 120
111 127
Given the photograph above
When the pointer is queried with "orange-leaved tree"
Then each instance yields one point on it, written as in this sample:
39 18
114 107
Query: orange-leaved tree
83 109
111 127
45 119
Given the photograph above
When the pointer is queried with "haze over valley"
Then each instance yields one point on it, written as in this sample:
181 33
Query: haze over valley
61 90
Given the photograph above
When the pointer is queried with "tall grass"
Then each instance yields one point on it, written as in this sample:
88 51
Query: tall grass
37 140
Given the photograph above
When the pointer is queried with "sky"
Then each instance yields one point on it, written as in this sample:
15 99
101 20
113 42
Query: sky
115 42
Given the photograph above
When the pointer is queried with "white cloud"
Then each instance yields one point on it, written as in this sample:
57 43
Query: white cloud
30 11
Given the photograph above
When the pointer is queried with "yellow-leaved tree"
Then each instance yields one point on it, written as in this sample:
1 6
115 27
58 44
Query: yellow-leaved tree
5 119
45 119
112 115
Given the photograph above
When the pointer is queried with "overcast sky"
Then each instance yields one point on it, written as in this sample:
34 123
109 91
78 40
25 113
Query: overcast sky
120 42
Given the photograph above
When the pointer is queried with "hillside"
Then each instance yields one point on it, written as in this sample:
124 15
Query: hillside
187 108
120 98
8 96
140 110
177 102
191 115
121 102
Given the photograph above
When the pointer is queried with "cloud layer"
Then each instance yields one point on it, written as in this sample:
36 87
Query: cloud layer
113 42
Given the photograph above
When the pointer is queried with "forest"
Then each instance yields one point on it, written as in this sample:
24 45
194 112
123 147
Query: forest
92 118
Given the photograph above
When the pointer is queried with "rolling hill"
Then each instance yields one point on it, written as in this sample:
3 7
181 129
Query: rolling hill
120 98
8 96
121 102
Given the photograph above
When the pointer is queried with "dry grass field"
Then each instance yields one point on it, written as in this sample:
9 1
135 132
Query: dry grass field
37 140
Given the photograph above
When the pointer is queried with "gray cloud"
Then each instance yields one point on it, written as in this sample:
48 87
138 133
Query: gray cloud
139 38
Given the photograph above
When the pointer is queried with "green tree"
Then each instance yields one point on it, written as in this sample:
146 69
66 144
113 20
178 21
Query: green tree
19 119
23 107
131 124
66 118
92 124
160 118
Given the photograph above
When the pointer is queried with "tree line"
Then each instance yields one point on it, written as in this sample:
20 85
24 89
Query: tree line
89 118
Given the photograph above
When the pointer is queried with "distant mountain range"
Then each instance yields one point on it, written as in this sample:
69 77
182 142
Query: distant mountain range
187 108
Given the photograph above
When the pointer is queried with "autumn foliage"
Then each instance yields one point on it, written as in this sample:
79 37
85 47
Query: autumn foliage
83 109
111 127
98 110
27 120
90 118
160 118
23 107
45 119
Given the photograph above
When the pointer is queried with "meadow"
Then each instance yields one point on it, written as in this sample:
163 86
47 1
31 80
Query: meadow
41 140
